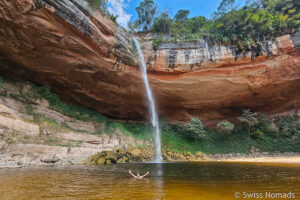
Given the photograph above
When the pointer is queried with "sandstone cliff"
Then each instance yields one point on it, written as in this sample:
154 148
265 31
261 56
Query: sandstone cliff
89 60
214 82
33 133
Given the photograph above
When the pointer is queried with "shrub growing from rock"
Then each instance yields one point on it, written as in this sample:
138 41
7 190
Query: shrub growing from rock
258 134
225 127
288 125
195 129
249 119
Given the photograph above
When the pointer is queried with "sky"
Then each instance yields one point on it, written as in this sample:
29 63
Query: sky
126 8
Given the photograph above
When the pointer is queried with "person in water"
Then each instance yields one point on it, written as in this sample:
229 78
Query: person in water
137 176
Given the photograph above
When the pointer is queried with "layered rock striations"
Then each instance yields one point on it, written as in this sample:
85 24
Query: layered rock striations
76 50
214 82
90 61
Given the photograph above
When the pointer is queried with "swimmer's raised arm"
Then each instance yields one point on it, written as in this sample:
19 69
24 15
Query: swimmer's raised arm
144 175
132 174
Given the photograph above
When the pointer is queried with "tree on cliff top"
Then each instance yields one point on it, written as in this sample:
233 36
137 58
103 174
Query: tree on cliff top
181 15
226 6
146 11
246 28
162 24
102 4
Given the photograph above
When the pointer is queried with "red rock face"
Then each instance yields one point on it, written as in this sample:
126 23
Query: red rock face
89 61
73 48
270 86
224 84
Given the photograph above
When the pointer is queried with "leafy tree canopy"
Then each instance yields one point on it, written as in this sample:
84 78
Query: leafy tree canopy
102 5
249 119
195 129
146 11
246 28
225 127
181 16
162 23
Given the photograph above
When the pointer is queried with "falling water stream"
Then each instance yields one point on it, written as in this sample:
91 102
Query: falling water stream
154 118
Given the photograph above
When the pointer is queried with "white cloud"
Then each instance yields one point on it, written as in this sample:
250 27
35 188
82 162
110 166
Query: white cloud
117 7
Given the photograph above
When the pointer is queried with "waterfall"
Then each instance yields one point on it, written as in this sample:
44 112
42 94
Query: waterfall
154 118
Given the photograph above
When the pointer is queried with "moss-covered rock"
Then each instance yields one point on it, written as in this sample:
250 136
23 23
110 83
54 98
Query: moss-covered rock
174 156
108 162
167 157
93 159
142 155
121 151
136 152
100 161
110 155
121 156
124 159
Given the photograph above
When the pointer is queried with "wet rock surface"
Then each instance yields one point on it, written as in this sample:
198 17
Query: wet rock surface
174 156
121 156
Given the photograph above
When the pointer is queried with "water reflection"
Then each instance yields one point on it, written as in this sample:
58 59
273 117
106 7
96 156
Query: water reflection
159 180
217 181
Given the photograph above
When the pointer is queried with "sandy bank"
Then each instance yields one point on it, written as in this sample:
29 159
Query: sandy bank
291 158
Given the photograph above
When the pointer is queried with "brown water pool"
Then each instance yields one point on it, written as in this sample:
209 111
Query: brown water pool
186 181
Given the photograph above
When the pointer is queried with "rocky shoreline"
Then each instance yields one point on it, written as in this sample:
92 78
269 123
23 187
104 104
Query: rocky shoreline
121 156
144 155
264 157
277 157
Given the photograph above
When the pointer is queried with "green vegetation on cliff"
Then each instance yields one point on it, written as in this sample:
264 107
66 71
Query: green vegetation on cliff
281 133
102 5
245 28
29 96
